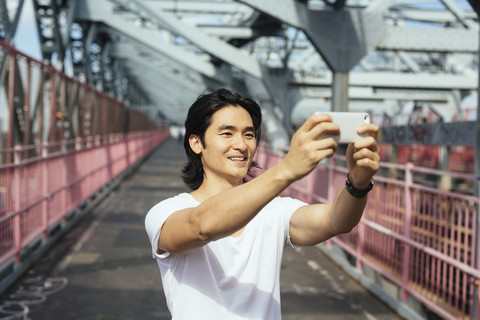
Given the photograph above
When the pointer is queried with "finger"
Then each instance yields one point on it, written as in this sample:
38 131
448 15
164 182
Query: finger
370 128
314 120
368 163
366 143
326 143
323 129
366 154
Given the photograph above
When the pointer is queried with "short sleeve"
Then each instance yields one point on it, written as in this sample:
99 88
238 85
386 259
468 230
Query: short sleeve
157 216
287 207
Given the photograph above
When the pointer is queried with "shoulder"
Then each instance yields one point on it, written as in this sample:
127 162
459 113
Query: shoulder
170 205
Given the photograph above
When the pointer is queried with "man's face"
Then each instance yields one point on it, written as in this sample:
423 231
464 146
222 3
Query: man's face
230 145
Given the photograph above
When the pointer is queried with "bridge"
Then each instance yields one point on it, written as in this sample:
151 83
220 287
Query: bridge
96 91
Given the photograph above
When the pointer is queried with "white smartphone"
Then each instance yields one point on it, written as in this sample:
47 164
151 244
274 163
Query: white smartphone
348 123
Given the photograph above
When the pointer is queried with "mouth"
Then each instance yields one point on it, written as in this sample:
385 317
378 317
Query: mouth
238 159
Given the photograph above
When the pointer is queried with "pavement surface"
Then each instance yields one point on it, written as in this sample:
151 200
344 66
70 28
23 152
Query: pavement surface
103 270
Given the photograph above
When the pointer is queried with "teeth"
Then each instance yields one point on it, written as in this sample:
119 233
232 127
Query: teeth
237 159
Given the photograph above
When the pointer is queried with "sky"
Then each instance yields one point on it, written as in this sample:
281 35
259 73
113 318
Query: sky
26 37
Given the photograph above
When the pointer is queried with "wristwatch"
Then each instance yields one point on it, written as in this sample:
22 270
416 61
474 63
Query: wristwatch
357 193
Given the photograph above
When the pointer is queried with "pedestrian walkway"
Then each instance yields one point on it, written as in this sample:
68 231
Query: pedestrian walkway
103 269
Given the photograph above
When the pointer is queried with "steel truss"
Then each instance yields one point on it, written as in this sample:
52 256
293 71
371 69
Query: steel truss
293 56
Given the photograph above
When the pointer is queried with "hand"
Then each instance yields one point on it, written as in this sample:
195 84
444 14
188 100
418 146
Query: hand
363 159
307 148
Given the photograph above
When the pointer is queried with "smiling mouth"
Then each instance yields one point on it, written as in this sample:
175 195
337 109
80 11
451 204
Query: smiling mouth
238 158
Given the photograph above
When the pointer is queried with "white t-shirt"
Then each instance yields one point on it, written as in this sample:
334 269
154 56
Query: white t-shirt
231 278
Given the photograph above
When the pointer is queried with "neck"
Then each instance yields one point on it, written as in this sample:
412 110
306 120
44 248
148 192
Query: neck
209 189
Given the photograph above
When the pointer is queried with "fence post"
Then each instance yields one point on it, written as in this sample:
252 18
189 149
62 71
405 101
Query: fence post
46 199
476 287
17 193
406 229
331 187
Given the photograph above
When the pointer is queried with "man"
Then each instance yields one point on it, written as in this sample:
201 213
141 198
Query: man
219 248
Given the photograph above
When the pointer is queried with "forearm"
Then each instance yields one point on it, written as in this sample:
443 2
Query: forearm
229 211
345 212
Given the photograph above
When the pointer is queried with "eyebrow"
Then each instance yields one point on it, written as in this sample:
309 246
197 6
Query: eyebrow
230 127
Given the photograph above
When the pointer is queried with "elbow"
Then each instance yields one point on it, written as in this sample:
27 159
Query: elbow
202 232
342 229
345 230
203 235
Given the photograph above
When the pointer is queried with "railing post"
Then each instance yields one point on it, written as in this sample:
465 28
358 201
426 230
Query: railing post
17 194
476 287
331 187
46 200
360 246
406 229
331 178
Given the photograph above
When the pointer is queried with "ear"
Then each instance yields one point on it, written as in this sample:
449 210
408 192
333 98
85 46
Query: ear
195 143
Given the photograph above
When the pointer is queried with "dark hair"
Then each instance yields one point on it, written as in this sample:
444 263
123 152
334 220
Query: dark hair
199 118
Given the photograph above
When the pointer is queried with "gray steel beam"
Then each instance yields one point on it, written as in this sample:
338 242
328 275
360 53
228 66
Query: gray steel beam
213 46
199 7
342 37
396 80
229 32
103 11
426 15
429 39
10 27
457 12
181 76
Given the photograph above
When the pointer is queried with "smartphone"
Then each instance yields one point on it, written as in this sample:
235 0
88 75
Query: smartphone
348 123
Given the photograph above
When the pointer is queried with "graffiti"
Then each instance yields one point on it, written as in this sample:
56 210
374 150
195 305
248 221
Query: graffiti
32 292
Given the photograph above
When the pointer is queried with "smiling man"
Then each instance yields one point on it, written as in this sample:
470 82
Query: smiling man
219 248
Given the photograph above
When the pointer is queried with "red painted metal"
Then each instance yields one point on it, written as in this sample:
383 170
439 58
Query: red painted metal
62 159
420 238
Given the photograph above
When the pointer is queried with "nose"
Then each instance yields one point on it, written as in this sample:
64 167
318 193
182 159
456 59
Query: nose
239 143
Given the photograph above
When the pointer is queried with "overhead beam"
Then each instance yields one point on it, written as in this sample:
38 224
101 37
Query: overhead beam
103 11
199 7
429 39
212 45
396 80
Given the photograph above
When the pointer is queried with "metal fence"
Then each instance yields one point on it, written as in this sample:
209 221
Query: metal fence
38 192
64 142
422 239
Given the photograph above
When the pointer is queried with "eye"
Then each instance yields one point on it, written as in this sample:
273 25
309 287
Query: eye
226 134
250 135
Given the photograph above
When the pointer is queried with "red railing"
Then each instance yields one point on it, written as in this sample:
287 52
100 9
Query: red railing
422 239
39 192
64 142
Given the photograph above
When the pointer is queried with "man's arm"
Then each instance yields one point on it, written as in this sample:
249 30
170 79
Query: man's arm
229 211
313 224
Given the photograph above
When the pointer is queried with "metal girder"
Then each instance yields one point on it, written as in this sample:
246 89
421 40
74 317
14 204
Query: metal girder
213 46
423 81
199 7
53 42
166 40
425 15
430 40
8 25
7 32
163 86
342 37
155 61
459 14
229 32
103 11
